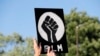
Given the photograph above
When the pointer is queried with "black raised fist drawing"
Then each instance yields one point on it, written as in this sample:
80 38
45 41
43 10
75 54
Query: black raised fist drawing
50 27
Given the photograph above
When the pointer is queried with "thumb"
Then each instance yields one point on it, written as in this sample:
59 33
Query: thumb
35 43
48 50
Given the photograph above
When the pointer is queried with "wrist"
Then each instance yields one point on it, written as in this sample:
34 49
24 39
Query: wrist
36 54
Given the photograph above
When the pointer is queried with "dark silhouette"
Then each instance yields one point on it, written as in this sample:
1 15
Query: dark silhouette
50 27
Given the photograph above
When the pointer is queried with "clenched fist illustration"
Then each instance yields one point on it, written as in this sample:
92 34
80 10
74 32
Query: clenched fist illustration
50 27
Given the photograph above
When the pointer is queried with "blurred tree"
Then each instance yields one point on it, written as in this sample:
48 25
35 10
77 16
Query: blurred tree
88 32
15 45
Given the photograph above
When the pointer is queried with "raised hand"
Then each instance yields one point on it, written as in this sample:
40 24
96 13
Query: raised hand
50 53
50 27
37 49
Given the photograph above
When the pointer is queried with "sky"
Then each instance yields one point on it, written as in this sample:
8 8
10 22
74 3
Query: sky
18 15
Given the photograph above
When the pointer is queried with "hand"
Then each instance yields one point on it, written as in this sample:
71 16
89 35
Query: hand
37 49
50 53
50 27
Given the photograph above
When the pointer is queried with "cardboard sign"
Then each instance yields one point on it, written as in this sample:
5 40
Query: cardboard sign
51 29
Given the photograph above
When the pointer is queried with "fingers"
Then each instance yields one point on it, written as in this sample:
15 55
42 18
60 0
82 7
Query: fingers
50 21
35 43
40 46
47 18
55 27
50 53
37 49
48 50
